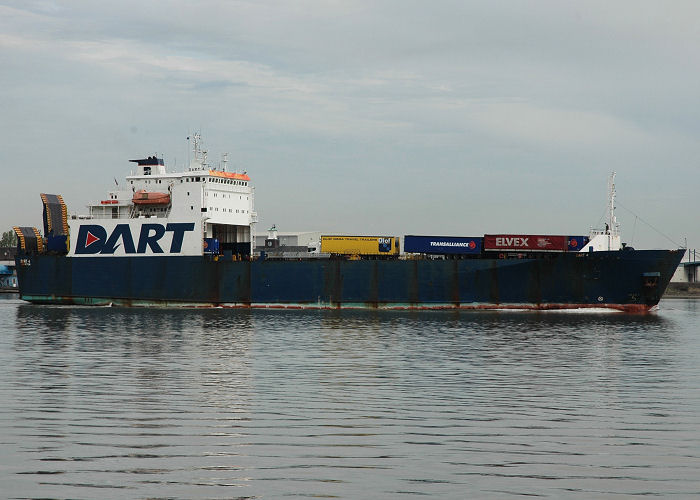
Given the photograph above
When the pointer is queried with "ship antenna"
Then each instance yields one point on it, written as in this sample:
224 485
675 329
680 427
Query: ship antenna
613 228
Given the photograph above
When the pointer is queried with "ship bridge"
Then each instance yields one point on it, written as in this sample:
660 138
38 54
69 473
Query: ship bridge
221 200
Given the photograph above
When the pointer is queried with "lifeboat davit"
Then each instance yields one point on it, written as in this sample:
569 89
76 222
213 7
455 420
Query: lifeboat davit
143 197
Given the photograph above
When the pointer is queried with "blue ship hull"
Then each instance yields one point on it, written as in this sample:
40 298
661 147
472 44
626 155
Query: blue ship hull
632 280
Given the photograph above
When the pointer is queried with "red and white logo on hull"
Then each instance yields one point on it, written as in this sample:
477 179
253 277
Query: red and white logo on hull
90 239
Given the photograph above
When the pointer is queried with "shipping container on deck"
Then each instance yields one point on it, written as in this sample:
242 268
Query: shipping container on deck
360 245
439 245
525 243
576 243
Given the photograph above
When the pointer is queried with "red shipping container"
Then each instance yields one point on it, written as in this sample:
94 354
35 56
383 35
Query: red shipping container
526 242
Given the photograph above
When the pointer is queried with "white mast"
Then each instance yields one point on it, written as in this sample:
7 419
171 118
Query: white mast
609 238
199 162
613 228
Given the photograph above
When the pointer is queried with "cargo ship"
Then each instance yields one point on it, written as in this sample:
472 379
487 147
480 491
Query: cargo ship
187 239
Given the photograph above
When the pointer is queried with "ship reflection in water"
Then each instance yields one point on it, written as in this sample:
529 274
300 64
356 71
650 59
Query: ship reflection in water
155 403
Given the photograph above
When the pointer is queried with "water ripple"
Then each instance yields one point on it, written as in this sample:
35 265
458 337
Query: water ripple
345 404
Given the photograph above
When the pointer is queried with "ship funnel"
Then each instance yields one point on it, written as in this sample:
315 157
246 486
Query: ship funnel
149 166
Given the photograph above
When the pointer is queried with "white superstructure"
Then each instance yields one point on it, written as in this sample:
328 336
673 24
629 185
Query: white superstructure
608 238
219 202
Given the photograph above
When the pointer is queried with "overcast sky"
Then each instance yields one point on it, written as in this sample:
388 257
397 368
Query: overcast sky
377 117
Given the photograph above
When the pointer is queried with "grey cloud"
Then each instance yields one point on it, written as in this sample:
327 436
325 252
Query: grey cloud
455 117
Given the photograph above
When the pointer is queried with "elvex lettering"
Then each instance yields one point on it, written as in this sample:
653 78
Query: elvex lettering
511 242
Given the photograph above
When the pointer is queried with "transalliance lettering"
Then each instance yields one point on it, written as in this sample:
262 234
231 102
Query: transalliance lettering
93 238
467 244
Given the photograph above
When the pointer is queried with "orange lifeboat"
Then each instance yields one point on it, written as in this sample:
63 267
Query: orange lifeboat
143 197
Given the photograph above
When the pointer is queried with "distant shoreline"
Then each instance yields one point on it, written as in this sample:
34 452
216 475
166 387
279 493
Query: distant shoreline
683 291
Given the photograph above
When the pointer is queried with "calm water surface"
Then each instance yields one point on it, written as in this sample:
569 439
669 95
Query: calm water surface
155 403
